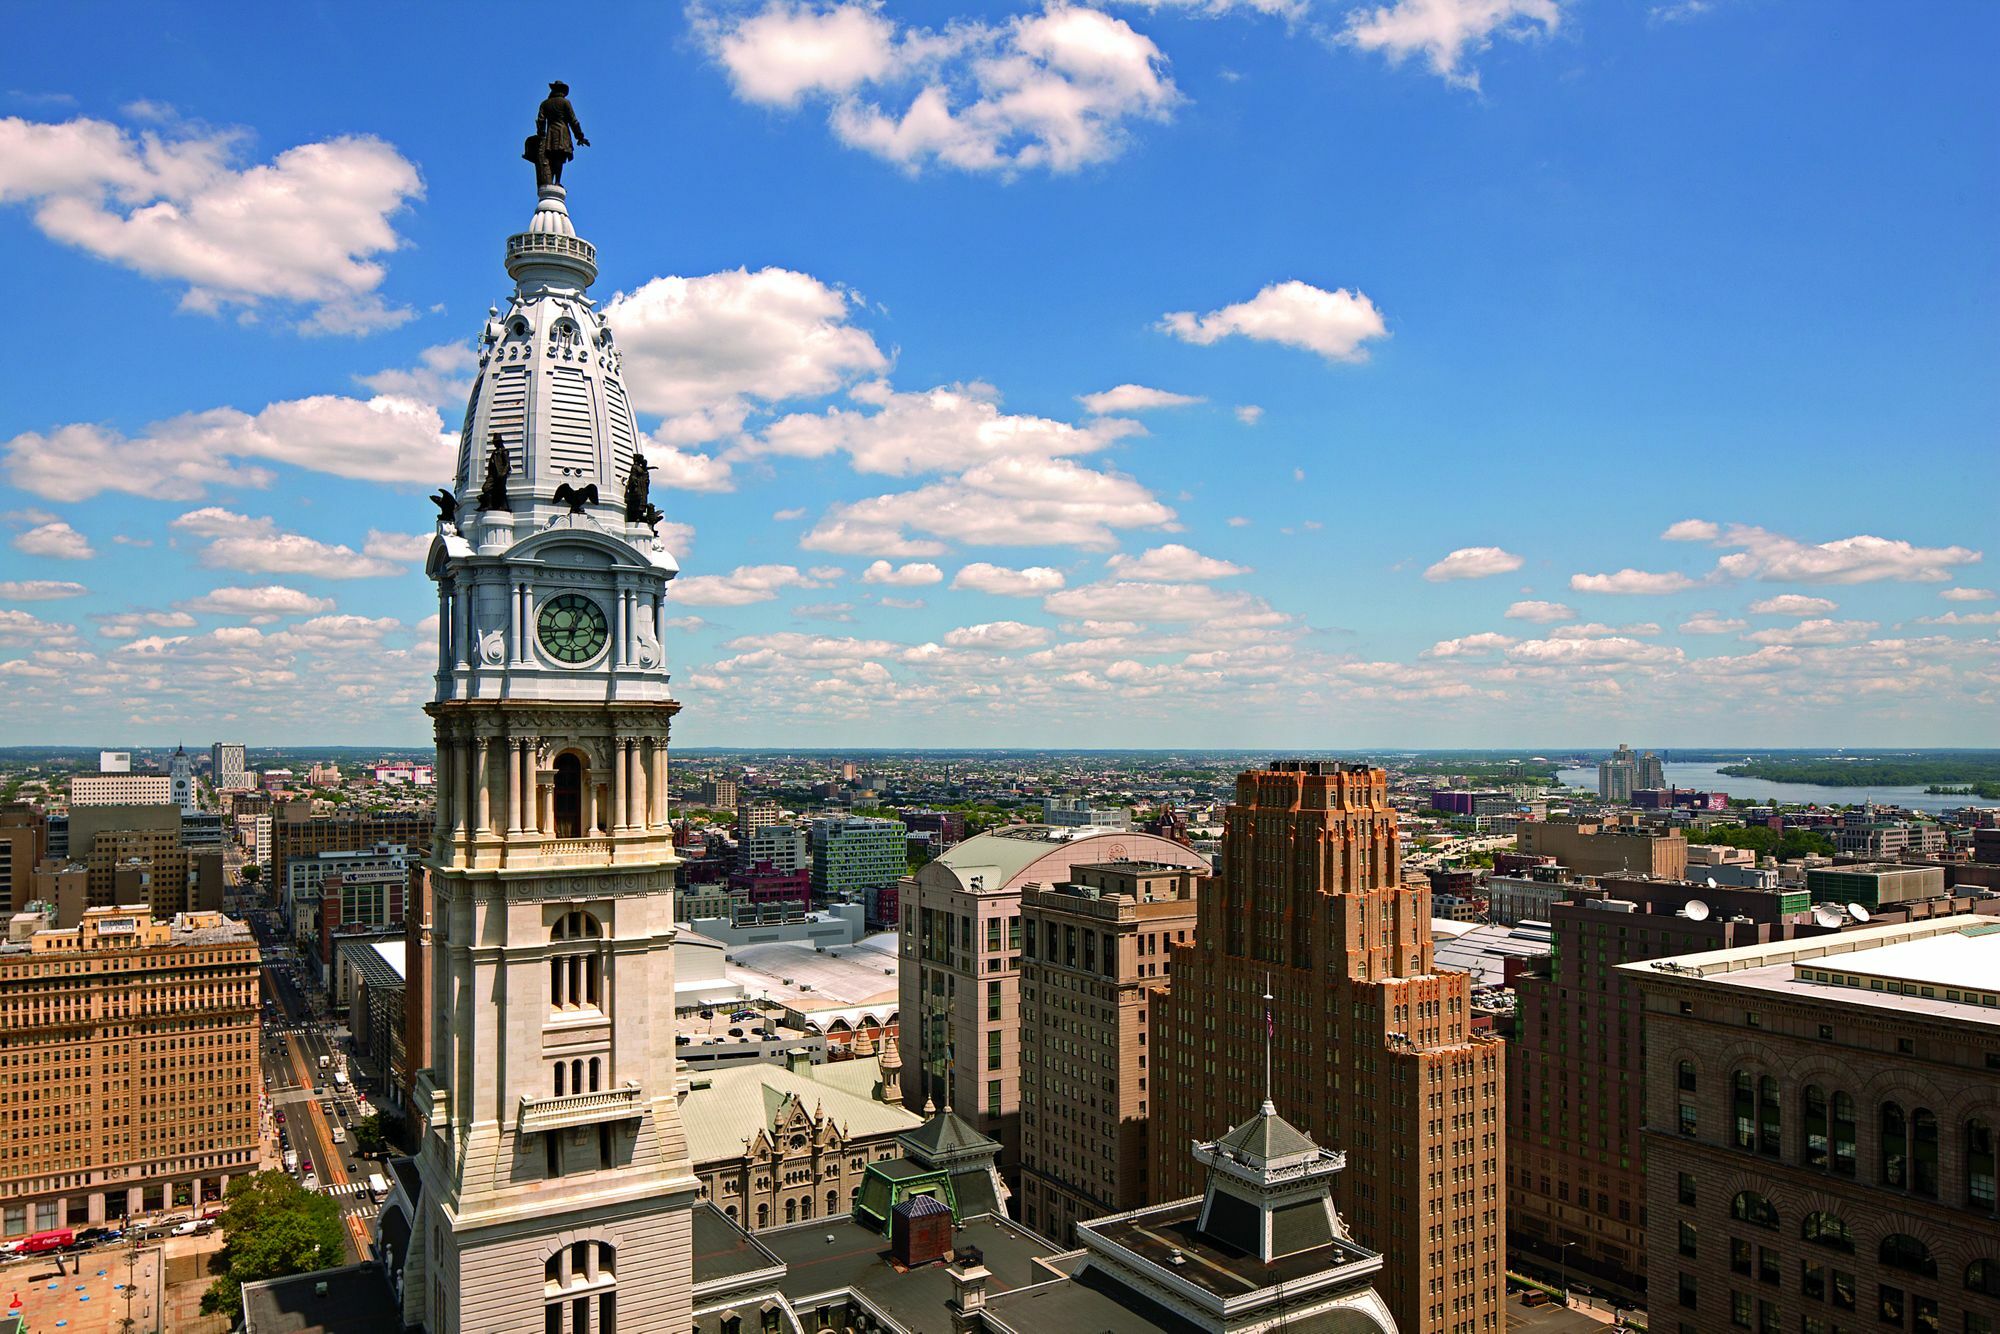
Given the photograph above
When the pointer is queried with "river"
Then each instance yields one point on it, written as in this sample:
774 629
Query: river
1705 778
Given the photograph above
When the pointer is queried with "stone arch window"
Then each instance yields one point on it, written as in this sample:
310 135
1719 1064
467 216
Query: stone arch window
576 970
1770 1117
571 775
1979 1164
1845 1152
1814 1145
832 1203
1828 1230
791 1211
579 1289
1743 1108
763 1216
1893 1165
731 1212
596 1072
562 1072
1924 1152
1902 1251
1750 1207
1689 1118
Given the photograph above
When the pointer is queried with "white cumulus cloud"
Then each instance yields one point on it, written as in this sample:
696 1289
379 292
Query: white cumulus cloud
1712 623
1630 581
998 635
1792 604
39 590
257 545
740 587
306 229
1542 613
913 575
1133 398
1004 502
1051 90
1033 581
56 540
1338 325
1473 563
1446 32
1819 631
261 603
1172 563
1966 594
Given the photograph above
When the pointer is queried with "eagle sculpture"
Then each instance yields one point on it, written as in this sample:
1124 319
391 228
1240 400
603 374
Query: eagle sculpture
574 498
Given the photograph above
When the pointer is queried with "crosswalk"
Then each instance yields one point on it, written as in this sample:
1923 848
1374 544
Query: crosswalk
346 1188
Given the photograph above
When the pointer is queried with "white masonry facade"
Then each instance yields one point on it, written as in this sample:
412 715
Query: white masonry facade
557 1191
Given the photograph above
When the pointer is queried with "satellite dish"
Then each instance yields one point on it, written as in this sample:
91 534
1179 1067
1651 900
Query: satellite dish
1696 910
1711 882
1859 912
1826 915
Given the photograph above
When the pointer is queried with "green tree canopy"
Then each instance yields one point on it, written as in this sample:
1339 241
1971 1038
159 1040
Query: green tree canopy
368 1136
1766 842
274 1227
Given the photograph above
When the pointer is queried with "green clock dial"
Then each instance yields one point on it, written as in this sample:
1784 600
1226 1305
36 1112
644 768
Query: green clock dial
572 628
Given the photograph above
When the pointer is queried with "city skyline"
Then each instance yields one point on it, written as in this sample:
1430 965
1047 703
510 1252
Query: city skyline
1510 474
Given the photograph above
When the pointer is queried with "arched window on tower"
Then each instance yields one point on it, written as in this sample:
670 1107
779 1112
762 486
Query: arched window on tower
576 969
579 1289
1924 1152
569 782
1845 1154
1814 1148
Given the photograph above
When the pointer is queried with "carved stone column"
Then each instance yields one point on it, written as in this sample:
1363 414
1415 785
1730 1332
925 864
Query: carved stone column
513 746
482 785
531 786
620 781
660 809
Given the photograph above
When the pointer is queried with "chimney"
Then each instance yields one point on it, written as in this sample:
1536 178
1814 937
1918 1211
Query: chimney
968 1290
799 1060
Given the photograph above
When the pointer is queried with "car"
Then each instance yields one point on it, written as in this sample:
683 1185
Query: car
281 1118
744 1014
735 1032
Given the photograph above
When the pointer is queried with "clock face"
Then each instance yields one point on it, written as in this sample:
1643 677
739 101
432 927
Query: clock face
572 628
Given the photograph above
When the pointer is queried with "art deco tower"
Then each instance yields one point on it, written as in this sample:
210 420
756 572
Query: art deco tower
1375 1049
556 1183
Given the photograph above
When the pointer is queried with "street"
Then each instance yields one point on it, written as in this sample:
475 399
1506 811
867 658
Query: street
299 1090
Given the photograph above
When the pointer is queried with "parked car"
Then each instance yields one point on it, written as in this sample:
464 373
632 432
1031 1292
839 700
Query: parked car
92 1236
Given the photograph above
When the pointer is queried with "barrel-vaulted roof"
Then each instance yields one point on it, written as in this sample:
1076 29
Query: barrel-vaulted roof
1010 858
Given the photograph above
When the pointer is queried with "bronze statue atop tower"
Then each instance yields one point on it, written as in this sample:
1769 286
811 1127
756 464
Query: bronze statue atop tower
556 137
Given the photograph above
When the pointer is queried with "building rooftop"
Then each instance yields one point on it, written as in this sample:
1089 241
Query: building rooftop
1005 859
738 1101
1949 980
823 1257
1483 951
356 1300
804 977
1158 1234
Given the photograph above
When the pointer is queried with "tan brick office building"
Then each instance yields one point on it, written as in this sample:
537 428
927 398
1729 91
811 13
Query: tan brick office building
1095 952
128 1065
1595 847
1821 1122
1374 1048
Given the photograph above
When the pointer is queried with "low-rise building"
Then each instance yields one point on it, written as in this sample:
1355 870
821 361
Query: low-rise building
1874 884
1592 847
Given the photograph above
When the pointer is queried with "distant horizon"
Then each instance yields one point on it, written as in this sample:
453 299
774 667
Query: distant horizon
1468 752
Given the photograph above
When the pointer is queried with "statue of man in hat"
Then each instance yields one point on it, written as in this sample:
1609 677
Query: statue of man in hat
552 145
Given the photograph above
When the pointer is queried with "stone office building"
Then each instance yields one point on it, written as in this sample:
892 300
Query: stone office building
1821 1120
128 1065
1095 952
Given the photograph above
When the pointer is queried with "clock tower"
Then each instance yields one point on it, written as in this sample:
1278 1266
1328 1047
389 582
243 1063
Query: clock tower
557 1191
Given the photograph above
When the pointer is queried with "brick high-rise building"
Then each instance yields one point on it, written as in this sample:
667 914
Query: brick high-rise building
1821 1116
24 841
1375 1049
128 1065
1095 952
305 836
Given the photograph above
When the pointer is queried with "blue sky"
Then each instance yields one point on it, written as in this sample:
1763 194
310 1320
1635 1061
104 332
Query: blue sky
1675 323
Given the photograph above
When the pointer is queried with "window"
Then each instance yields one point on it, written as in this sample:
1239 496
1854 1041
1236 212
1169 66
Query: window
1686 1187
992 1049
1739 1309
1828 1230
993 1097
1983 1277
1687 1239
1924 1152
1979 1165
1769 1119
1750 1207
1843 1290
1689 1122
1743 1108
1902 1251
1687 1291
1739 1256
1685 1075
1845 1154
1894 1164
578 1289
1890 1305
1814 1150
1812 1280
